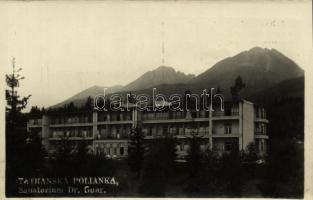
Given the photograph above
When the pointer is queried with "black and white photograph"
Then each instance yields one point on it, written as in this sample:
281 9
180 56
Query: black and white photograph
156 99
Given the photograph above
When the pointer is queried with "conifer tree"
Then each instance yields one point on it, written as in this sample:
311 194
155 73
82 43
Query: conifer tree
15 103
136 150
235 90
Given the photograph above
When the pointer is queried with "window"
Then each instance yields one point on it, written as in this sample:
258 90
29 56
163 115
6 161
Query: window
263 113
149 131
227 112
181 147
262 128
194 114
176 131
121 150
262 146
164 130
117 133
235 110
227 128
228 146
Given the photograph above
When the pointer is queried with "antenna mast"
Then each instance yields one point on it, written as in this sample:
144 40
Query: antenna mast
163 49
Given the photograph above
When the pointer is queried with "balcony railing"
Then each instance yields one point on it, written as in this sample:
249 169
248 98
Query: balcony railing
112 117
71 121
220 114
259 133
112 136
173 116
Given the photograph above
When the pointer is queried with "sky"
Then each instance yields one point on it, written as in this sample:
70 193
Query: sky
66 47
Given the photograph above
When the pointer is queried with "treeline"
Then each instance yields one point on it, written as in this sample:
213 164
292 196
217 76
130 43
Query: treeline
37 112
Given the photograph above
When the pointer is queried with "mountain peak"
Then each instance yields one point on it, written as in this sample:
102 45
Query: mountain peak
257 49
163 67
161 75
259 68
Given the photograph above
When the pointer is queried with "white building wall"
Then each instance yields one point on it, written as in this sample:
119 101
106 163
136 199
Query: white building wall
45 131
248 124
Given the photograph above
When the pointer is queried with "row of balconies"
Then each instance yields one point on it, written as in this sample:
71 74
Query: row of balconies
71 133
107 117
147 117
260 113
166 115
86 135
71 120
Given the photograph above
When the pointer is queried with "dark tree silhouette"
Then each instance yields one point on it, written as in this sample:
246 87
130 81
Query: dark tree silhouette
89 104
15 103
35 112
218 90
131 98
284 176
23 151
136 150
235 90
159 165
251 154
194 162
231 173
190 102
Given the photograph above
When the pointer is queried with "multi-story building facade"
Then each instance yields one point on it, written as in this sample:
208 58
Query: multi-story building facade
108 132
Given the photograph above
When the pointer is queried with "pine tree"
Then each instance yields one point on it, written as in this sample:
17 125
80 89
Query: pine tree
194 162
15 103
218 90
35 112
136 151
16 147
235 90
88 105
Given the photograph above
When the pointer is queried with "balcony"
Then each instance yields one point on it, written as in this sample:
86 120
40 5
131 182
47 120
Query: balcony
201 134
162 116
225 115
260 135
220 135
263 120
122 136
151 121
114 122
71 133
71 125
70 138
73 121
114 117
174 117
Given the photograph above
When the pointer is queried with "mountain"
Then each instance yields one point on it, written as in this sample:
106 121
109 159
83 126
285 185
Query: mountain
161 75
288 89
80 98
259 68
